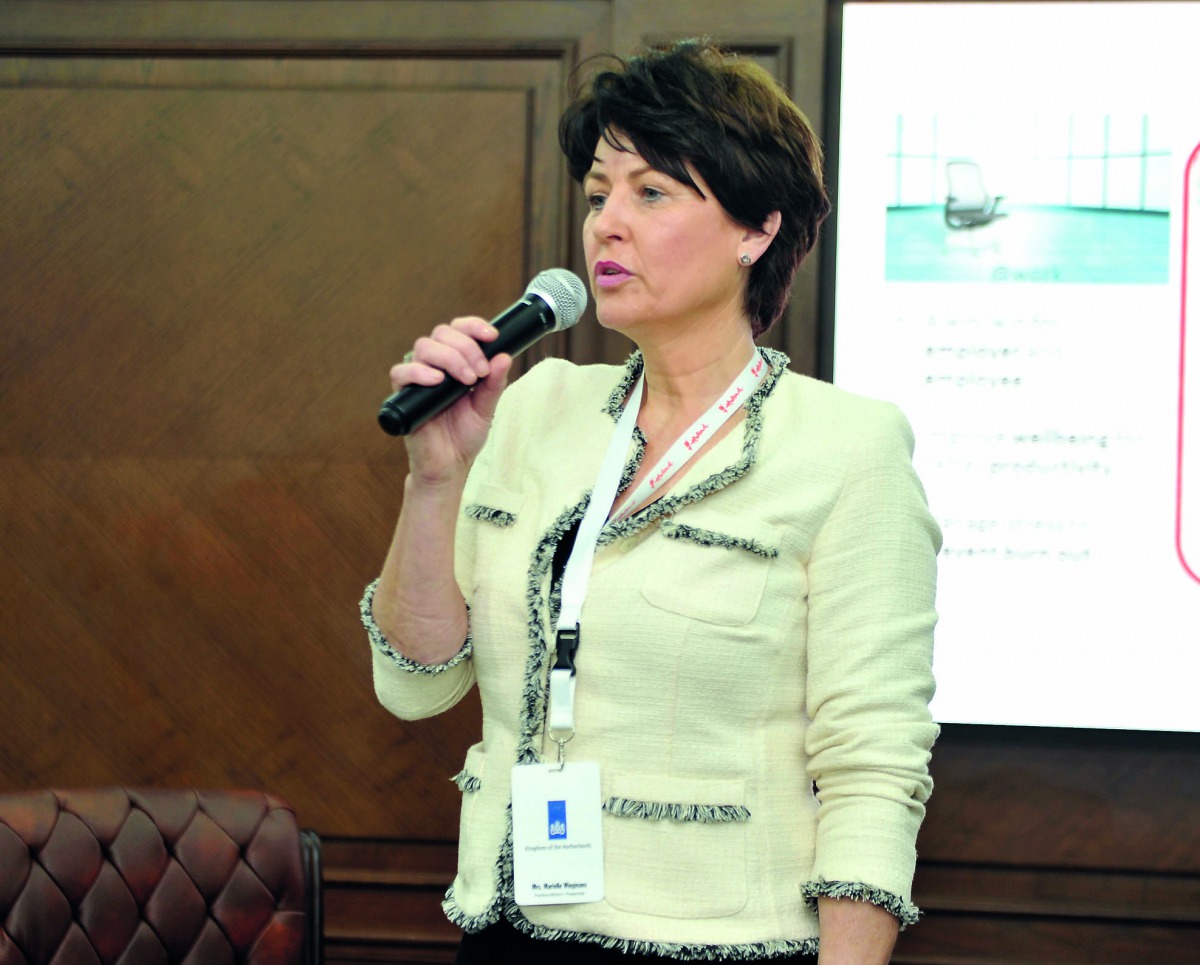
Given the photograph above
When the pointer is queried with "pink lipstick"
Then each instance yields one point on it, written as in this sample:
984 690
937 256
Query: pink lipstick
609 274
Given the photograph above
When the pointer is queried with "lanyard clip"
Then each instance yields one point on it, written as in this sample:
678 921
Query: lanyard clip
562 683
565 645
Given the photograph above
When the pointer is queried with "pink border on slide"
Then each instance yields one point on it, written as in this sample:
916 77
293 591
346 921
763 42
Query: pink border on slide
1183 320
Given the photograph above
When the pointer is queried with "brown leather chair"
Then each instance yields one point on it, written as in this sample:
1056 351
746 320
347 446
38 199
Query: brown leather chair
156 876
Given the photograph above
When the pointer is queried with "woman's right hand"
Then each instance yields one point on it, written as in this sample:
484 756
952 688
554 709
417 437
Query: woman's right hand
443 448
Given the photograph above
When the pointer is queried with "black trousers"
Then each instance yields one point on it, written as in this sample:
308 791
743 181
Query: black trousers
501 944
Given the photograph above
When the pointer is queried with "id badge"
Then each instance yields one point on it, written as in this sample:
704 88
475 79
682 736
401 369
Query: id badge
558 858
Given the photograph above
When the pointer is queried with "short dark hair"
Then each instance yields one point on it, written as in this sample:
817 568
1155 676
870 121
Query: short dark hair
692 103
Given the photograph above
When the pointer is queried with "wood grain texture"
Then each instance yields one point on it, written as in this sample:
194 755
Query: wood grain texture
207 265
1105 801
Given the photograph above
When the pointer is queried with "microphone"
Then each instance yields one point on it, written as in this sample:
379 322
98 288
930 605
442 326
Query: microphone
553 302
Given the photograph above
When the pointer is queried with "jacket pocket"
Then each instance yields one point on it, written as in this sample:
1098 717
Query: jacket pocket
710 575
495 505
470 782
487 526
675 847
475 882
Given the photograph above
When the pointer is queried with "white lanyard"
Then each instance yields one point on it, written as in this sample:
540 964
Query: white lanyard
686 446
578 571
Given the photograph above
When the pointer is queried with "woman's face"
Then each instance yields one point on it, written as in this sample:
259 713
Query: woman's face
660 257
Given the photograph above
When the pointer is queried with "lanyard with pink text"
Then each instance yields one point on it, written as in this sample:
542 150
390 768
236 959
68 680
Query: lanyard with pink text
578 570
686 446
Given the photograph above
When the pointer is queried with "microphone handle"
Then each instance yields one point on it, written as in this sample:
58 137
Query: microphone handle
519 326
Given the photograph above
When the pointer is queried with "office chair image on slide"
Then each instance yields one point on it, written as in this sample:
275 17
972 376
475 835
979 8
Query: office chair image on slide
968 205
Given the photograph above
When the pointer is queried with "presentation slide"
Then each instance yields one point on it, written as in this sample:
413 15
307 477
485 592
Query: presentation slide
1018 268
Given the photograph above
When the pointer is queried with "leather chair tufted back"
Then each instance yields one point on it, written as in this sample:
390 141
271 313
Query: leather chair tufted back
156 876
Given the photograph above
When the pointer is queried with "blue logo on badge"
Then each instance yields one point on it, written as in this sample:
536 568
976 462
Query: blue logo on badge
556 820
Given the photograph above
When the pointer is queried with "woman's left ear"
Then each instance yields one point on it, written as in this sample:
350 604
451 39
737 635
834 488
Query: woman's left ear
755 243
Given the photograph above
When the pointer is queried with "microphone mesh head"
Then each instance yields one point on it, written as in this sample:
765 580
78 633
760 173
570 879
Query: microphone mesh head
564 292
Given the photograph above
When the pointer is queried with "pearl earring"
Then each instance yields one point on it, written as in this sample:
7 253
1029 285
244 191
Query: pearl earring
746 259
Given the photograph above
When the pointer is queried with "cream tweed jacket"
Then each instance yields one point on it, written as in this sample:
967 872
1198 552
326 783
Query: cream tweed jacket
754 670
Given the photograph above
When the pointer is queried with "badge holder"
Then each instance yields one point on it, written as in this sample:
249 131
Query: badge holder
558 854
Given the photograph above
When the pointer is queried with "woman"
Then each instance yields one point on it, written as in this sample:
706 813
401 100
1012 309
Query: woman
755 616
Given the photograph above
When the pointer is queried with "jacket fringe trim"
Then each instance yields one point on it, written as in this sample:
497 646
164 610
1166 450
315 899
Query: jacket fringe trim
468 923
467 783
672 502
488 514
616 400
624 807
708 537
745 952
751 951
380 643
504 886
905 911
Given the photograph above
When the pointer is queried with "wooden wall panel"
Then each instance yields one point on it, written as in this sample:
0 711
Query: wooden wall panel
214 245
222 223
1059 846
1097 800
